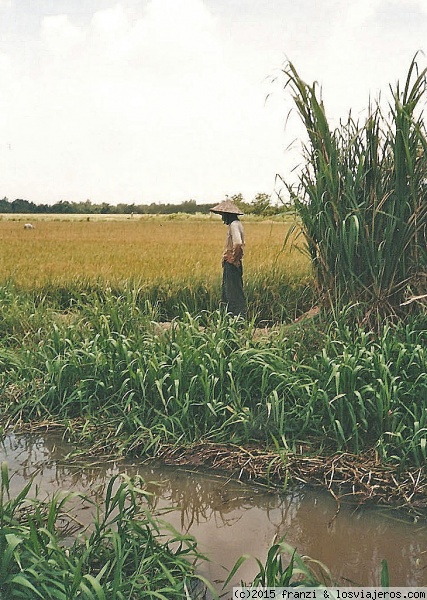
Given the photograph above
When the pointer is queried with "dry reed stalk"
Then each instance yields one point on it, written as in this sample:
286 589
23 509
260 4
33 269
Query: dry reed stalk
360 478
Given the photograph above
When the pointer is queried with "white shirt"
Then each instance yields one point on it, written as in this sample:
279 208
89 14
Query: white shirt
235 237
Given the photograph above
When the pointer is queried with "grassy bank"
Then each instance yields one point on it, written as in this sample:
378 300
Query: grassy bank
115 378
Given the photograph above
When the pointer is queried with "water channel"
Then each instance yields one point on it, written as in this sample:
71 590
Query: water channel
229 518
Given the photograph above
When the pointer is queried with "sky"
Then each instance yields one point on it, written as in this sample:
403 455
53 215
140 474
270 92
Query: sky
140 101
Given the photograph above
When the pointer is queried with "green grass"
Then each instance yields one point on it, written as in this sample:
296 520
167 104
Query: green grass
122 555
337 387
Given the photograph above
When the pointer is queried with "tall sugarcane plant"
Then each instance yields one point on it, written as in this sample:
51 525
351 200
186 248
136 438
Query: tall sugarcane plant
362 198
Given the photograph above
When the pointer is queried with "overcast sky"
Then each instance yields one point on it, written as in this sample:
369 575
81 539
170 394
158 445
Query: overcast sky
141 101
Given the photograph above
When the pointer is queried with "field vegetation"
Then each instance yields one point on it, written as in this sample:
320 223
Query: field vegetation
114 376
172 261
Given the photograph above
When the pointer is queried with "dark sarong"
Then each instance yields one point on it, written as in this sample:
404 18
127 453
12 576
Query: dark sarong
232 289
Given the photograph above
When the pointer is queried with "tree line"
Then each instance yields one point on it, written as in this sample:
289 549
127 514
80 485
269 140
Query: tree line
261 205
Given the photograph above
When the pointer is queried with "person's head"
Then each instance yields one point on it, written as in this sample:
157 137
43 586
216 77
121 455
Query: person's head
228 218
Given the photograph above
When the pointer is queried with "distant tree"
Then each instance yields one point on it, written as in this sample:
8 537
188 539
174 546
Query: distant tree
261 205
5 206
151 208
85 208
23 206
189 206
125 209
44 208
63 207
203 208
104 208
237 199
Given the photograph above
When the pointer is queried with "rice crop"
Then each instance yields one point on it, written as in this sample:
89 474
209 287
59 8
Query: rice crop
172 261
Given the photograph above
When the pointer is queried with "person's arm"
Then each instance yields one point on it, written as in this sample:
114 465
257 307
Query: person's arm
237 255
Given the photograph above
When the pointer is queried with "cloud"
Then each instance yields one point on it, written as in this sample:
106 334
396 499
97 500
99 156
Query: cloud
354 50
152 107
164 100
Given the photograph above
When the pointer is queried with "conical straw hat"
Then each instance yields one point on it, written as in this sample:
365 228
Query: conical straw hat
227 206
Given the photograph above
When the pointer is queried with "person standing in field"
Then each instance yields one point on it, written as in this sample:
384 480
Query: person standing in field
233 296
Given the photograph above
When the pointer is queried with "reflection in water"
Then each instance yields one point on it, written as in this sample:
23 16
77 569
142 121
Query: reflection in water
229 518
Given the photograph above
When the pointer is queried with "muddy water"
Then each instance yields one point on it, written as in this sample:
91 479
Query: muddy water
230 519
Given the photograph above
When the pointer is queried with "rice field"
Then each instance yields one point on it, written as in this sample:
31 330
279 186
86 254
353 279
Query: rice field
145 249
172 260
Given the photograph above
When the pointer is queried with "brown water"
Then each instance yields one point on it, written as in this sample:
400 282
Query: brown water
229 518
